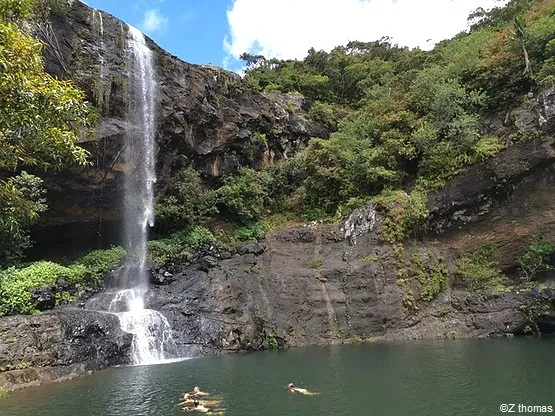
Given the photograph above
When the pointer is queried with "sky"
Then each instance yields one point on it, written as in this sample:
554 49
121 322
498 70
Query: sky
218 31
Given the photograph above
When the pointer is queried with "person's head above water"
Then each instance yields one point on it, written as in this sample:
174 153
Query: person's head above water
196 389
196 403
291 385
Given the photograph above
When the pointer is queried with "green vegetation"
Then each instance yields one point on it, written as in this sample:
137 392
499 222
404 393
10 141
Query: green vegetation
536 259
408 120
17 284
251 232
187 202
3 393
272 342
480 270
431 277
99 262
241 197
404 215
404 122
369 259
179 245
316 262
41 119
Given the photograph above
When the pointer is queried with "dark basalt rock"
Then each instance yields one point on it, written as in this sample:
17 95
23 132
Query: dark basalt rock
44 297
217 301
204 113
250 248
161 277
60 344
207 262
62 285
236 305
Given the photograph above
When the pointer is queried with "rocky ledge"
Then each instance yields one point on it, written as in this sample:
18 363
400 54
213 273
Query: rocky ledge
58 346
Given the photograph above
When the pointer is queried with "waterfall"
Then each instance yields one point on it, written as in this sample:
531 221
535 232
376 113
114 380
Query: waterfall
139 156
152 335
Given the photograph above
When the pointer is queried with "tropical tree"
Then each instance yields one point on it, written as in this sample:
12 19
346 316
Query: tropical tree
41 119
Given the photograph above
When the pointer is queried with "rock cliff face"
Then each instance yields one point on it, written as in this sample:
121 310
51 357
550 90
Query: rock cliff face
204 113
508 199
310 286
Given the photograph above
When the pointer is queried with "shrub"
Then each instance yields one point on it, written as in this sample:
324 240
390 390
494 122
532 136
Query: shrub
254 147
536 258
176 246
272 342
251 232
242 195
17 285
186 202
196 237
100 262
316 262
404 215
21 201
480 270
431 278
325 113
164 250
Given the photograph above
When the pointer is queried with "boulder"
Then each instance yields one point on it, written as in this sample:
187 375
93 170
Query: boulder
44 297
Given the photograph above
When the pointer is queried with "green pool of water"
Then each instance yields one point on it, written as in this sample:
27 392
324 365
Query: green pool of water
425 378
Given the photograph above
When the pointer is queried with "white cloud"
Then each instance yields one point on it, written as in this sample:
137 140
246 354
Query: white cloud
288 28
153 21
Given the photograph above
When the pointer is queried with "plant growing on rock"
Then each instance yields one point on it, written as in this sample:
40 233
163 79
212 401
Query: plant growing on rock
17 285
480 270
431 278
536 259
316 262
272 342
404 214
178 245
186 203
251 232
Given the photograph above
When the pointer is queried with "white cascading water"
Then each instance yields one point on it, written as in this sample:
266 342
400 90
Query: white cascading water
152 341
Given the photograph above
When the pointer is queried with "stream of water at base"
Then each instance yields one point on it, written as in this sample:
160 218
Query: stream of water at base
424 378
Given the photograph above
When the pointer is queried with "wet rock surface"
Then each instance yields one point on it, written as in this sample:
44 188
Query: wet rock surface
275 291
60 344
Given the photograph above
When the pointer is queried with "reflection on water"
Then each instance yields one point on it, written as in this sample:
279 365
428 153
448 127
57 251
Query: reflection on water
426 378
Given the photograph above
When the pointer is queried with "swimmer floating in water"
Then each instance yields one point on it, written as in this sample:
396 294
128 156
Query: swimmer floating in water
186 399
197 392
294 389
198 408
